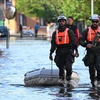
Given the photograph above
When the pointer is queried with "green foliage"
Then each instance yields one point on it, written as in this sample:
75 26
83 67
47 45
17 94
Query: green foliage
50 9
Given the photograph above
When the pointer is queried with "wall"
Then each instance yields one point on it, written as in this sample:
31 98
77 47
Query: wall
13 24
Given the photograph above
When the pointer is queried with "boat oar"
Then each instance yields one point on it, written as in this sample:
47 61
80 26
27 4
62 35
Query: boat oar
52 69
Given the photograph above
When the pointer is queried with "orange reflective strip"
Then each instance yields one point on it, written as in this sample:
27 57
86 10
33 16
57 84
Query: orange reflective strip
90 33
98 29
66 35
57 36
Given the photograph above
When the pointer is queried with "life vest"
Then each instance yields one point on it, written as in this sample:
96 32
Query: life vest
91 34
62 37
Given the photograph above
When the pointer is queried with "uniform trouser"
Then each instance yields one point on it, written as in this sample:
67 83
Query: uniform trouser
95 65
36 31
64 62
92 73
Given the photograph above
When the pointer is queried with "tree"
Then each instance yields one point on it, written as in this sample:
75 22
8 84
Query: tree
40 8
50 9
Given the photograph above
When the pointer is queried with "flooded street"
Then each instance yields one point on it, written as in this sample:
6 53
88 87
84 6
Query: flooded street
25 55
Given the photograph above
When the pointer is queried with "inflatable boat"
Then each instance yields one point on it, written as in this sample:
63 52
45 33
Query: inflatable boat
46 77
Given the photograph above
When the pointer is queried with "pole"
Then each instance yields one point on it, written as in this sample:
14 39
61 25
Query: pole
7 39
8 34
92 7
4 4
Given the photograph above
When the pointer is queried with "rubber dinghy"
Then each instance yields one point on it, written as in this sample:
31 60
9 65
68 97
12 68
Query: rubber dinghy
47 77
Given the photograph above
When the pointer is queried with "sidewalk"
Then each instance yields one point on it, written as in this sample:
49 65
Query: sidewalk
15 35
41 37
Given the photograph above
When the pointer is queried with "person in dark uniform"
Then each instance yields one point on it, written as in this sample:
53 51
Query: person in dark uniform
89 40
64 43
73 27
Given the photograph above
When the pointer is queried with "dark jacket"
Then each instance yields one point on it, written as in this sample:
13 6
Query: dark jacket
75 30
65 48
83 42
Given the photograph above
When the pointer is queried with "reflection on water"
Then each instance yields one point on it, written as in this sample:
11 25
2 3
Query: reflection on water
26 55
64 92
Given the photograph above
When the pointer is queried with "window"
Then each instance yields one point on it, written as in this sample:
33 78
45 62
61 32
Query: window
1 1
8 3
9 0
22 20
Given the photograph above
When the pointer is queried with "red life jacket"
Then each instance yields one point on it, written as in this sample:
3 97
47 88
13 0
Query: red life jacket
91 34
62 37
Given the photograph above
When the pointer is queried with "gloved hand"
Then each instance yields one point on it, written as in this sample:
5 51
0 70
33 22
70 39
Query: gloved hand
50 57
89 45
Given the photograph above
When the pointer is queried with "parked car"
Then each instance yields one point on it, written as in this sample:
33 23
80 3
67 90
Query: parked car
4 32
4 35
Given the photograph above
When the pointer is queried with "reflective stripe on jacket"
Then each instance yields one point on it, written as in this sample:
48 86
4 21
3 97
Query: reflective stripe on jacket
91 34
62 37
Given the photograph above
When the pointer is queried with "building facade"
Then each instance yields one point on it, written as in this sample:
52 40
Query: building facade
20 18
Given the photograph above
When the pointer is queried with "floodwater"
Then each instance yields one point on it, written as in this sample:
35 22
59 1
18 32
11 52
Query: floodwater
25 55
